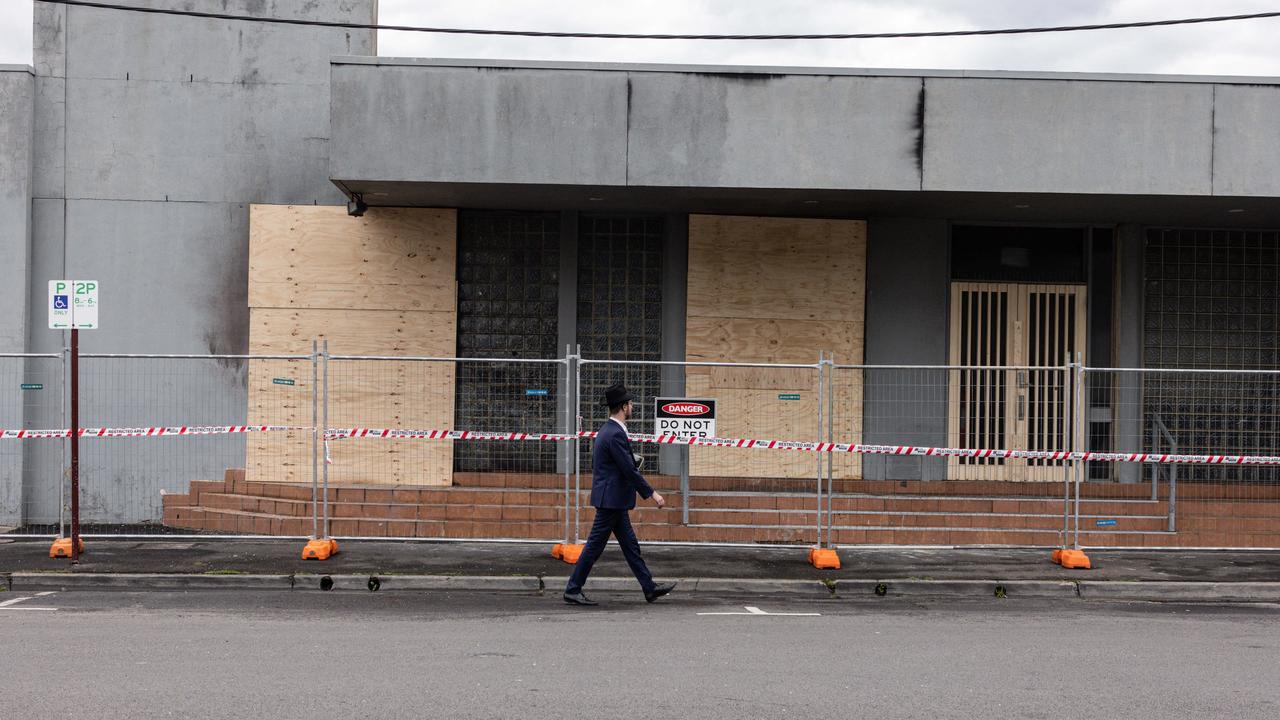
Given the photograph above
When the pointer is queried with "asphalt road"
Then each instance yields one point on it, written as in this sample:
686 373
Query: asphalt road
410 654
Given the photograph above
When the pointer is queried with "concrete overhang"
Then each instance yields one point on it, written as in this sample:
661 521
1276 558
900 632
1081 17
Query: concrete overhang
1036 147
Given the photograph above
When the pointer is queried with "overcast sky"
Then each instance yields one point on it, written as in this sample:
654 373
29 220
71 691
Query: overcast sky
1234 48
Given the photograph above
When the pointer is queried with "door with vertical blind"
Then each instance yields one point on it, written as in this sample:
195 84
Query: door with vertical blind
997 331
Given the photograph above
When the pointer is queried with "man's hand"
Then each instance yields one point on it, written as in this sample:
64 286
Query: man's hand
658 500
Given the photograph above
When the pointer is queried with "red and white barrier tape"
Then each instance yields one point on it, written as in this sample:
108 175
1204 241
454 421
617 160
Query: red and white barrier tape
744 443
145 431
397 434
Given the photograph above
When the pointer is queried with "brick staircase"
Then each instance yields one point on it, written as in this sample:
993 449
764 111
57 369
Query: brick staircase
522 506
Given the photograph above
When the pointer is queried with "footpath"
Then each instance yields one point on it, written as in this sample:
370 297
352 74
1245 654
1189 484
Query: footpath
925 573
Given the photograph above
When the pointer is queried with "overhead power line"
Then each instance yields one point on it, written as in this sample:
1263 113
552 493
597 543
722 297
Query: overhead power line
649 36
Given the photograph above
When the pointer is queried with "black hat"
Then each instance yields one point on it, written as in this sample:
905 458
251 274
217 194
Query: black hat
616 394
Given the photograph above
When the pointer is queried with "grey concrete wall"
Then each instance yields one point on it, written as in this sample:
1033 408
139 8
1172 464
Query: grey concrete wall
17 88
907 294
1246 148
153 135
1068 137
653 126
480 125
699 130
17 91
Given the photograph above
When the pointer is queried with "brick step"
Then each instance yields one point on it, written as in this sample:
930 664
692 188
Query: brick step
665 483
1017 517
1090 492
237 522
943 536
726 500
938 503
1247 525
530 505
994 521
1260 509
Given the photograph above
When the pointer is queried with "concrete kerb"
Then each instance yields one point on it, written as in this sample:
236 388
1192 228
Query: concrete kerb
462 583
22 581
957 589
811 589
1162 591
1104 590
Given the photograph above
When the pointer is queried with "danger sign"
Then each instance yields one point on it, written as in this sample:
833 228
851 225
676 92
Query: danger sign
685 417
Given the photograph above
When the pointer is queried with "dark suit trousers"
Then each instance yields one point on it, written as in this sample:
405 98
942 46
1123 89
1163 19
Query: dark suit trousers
617 523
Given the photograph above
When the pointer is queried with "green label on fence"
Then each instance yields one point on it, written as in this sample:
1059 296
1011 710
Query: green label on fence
32 386
282 381
789 396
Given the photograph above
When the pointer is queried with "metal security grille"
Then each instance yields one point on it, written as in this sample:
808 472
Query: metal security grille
1013 340
508 288
1212 300
981 317
620 311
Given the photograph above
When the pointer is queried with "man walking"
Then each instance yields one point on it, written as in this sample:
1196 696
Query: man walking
615 480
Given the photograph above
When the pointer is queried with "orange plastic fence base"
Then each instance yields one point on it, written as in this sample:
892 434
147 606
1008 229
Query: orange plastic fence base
568 552
62 548
824 558
321 549
1072 559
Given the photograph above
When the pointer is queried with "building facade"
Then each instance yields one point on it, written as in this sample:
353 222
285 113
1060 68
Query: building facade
656 213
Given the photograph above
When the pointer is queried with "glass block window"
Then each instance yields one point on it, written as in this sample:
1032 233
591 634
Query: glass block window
620 313
1212 300
508 307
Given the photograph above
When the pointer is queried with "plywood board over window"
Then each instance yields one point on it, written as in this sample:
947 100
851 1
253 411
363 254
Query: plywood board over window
382 284
775 290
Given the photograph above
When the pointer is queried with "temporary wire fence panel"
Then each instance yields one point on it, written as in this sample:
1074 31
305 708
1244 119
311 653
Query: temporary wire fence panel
402 393
123 479
929 499
416 480
32 472
282 392
509 396
1188 412
425 478
735 494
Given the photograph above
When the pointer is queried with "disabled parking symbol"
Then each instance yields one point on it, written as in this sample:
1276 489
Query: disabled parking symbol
60 302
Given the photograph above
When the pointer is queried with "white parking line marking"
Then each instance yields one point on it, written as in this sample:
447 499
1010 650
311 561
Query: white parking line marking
12 604
752 610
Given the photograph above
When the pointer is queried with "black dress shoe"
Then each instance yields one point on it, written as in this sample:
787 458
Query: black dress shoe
659 591
579 598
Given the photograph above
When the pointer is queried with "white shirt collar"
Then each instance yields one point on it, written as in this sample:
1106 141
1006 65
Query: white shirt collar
624 426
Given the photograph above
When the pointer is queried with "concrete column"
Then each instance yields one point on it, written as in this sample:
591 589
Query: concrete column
1129 345
675 290
567 318
908 276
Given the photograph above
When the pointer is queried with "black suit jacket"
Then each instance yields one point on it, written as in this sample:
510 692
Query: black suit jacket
614 477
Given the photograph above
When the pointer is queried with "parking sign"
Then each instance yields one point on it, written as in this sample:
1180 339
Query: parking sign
73 304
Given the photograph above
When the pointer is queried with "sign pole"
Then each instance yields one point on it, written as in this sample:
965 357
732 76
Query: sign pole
73 305
684 484
75 446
